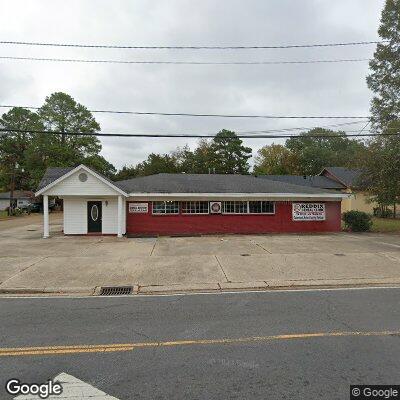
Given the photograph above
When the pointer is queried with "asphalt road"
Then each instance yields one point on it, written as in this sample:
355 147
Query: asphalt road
232 364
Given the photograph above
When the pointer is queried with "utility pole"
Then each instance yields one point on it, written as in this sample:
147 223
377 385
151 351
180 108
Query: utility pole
12 188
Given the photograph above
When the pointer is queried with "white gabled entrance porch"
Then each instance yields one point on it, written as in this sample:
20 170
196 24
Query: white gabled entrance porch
95 215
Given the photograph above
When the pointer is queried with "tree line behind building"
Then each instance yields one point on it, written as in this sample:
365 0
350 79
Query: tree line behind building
24 156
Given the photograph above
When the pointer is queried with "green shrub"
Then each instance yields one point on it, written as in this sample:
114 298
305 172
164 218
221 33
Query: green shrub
17 211
357 221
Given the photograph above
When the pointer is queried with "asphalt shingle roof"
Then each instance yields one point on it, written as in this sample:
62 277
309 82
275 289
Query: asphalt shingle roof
211 183
52 174
195 183
350 177
311 181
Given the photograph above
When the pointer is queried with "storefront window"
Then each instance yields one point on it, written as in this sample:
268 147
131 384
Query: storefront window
248 207
165 207
261 207
235 207
194 207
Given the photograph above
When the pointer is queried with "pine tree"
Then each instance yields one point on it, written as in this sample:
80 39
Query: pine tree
228 154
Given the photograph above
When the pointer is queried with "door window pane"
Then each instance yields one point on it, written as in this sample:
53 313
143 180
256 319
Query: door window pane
94 212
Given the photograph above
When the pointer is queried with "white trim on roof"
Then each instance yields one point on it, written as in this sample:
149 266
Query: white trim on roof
242 195
79 167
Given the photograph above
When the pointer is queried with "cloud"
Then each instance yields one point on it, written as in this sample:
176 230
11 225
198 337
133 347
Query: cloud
281 89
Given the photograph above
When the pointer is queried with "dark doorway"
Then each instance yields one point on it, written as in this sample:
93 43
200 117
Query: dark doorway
94 216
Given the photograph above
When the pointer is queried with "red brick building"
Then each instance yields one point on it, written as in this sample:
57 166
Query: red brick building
188 204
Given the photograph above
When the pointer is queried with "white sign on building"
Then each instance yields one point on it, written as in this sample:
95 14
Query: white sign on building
138 208
308 211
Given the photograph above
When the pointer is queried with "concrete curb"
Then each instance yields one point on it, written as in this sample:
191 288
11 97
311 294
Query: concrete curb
210 287
85 291
203 287
268 286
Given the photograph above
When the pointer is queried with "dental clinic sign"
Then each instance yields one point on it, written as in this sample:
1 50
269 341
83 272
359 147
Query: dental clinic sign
308 211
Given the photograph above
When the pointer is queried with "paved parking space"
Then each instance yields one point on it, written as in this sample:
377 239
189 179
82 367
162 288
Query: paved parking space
317 266
205 245
10 266
327 243
28 261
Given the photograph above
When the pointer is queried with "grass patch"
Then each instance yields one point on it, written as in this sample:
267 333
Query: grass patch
3 214
385 225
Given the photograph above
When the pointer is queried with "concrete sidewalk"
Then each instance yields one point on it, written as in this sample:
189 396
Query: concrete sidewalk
156 265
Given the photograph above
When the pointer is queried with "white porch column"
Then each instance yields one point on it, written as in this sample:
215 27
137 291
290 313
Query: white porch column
119 216
45 216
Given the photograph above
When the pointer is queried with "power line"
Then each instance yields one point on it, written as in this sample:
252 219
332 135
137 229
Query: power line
253 47
304 128
185 135
256 134
301 128
363 128
207 115
77 60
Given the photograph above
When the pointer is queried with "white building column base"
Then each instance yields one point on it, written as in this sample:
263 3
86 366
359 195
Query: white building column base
119 229
45 216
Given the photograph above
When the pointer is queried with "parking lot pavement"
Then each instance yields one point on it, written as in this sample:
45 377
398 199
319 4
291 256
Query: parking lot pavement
316 266
11 266
328 243
169 246
79 272
30 262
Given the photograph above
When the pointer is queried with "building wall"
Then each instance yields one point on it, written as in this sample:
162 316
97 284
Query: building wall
23 202
358 202
4 203
75 215
73 186
281 221
110 216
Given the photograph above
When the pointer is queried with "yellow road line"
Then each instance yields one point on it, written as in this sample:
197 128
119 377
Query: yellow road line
106 348
65 350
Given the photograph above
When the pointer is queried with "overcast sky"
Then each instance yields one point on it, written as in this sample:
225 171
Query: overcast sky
314 89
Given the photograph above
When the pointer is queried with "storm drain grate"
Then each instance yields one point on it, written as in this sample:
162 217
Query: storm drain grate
115 290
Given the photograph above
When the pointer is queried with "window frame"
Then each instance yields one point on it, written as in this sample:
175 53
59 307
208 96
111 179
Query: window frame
235 213
261 213
165 208
195 213
179 209
248 208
